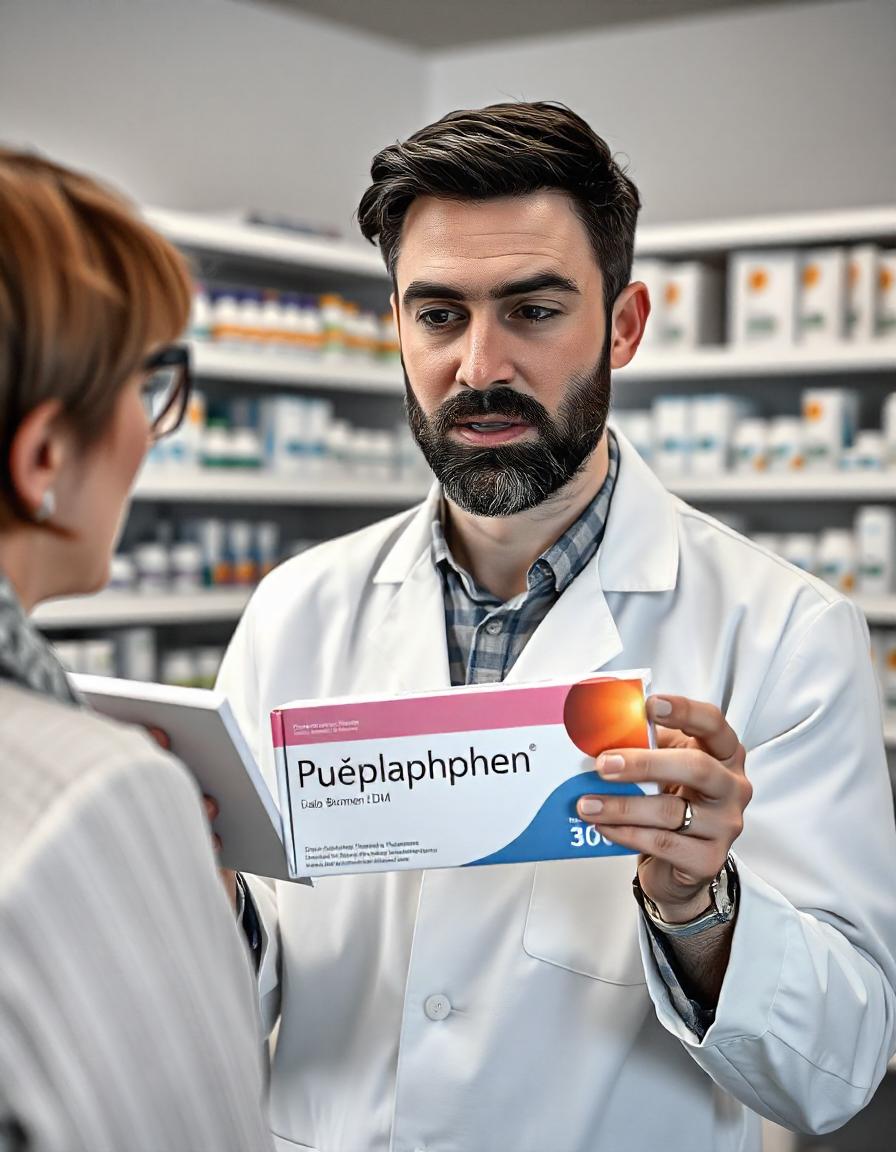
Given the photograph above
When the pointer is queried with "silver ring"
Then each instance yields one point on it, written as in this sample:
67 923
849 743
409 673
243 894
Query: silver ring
687 819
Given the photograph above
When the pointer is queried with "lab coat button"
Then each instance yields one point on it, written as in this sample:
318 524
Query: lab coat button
437 1007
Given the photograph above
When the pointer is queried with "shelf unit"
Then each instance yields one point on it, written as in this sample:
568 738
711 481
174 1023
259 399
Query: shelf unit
852 225
262 367
782 488
110 609
878 610
267 245
731 363
242 487
258 250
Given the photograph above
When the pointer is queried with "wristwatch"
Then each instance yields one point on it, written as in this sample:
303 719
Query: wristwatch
722 905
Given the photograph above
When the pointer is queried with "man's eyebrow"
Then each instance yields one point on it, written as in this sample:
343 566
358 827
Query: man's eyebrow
539 282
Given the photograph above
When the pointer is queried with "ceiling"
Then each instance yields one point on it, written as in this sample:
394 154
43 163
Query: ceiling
439 24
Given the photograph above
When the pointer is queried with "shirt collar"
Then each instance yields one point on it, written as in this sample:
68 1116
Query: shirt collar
639 551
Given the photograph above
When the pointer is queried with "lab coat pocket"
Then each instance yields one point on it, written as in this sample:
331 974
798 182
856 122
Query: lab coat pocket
583 917
281 1144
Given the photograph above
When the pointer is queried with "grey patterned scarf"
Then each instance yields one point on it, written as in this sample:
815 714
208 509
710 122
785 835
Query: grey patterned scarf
25 656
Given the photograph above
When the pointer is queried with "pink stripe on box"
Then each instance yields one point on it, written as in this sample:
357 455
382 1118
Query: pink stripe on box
427 716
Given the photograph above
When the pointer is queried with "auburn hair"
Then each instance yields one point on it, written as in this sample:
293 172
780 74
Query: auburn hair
86 290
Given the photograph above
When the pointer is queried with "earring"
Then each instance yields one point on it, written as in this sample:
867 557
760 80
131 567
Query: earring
47 507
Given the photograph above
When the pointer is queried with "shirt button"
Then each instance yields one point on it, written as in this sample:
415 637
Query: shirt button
493 627
437 1007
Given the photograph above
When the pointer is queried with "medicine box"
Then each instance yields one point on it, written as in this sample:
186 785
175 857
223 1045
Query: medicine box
713 421
821 312
486 774
672 435
763 297
876 549
692 305
830 418
886 294
861 292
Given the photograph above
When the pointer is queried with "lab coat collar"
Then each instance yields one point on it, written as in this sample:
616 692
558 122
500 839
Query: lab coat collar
639 552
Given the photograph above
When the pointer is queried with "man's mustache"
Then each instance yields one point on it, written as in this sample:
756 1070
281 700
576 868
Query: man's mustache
499 401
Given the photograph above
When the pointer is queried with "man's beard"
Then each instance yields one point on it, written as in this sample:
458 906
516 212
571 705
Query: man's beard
511 478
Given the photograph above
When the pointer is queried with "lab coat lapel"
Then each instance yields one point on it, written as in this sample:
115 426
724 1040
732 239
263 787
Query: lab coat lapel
578 635
408 650
638 553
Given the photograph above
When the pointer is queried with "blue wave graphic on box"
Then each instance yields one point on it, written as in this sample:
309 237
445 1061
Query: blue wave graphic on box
549 835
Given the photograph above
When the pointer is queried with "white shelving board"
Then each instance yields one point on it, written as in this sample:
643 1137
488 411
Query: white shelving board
108 609
112 608
729 362
265 244
852 226
778 488
252 367
242 487
878 609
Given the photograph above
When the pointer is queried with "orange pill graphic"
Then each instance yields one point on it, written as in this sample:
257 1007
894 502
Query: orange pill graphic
601 713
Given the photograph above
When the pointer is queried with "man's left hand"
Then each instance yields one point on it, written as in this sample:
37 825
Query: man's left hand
699 759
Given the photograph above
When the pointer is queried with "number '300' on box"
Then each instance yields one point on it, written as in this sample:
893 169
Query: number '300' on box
484 774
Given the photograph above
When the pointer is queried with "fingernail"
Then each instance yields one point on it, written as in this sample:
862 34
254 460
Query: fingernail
610 766
590 806
661 707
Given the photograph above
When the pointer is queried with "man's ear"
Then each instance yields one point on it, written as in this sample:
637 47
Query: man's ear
37 454
630 312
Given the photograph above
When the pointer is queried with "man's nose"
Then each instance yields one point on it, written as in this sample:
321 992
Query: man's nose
485 357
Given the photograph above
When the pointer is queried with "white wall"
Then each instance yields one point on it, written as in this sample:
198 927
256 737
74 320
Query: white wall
216 104
760 111
206 103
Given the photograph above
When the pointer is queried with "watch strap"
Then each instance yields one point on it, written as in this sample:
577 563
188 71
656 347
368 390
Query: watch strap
722 907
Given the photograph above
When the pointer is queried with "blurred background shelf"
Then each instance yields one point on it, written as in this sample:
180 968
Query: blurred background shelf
878 610
724 363
784 487
211 362
784 230
256 242
242 487
110 609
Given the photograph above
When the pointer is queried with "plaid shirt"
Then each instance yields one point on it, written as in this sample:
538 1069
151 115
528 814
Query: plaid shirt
485 637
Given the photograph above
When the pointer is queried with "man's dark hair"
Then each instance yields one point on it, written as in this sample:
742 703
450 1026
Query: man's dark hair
507 150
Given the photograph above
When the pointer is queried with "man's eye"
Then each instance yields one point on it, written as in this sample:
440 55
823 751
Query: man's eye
438 317
535 312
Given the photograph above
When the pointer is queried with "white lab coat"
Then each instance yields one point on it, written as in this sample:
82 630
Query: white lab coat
560 1035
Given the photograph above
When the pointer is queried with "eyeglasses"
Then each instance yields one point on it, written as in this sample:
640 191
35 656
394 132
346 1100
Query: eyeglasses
167 389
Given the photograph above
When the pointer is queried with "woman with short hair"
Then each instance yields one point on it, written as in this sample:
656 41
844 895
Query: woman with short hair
127 1017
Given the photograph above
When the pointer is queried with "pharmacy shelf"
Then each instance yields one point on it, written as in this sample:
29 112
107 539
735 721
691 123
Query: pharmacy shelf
878 609
243 487
851 226
253 241
786 487
108 609
731 362
264 366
